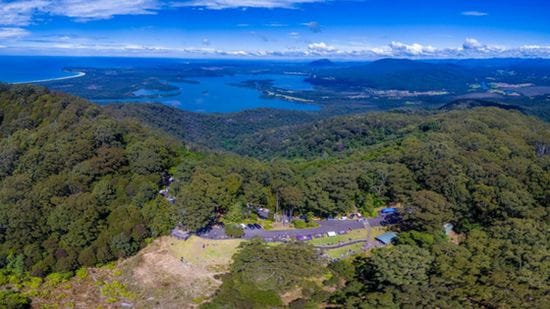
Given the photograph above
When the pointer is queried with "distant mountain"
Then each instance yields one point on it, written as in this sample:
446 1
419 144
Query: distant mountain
321 63
403 74
454 76
473 103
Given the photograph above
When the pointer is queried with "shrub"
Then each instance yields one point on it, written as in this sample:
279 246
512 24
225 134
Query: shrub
234 230
15 300
299 224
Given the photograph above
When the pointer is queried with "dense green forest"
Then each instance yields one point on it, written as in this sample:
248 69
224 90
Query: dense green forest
78 187
222 131
484 170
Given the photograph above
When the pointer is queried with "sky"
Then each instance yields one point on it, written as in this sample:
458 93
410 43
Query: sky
365 29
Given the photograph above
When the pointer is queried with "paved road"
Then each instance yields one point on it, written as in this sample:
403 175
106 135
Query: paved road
325 226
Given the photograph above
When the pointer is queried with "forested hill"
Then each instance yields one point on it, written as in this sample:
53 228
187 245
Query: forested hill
220 131
472 129
76 186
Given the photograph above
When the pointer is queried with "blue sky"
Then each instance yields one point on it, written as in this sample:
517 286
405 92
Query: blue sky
277 28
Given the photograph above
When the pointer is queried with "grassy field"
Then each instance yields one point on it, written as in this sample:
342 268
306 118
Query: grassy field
206 253
338 239
345 251
353 248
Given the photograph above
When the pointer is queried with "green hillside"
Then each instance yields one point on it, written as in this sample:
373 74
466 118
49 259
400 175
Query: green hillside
76 187
79 188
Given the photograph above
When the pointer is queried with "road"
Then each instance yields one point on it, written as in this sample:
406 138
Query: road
325 226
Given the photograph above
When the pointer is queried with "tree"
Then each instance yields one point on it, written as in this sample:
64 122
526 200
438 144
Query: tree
398 266
260 273
234 230
428 211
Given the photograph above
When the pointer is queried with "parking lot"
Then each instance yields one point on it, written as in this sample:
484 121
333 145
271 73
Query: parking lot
325 226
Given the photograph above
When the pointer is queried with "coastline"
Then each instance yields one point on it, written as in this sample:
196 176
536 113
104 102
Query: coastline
79 74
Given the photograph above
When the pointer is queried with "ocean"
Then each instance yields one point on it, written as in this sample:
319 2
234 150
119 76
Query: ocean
208 95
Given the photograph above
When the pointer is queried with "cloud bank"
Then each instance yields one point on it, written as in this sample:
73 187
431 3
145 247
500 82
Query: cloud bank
235 4
471 48
17 16
22 12
12 32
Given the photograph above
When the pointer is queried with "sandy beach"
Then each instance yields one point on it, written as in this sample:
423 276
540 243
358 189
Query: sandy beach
79 74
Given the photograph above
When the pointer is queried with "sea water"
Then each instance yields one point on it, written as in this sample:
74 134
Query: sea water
207 94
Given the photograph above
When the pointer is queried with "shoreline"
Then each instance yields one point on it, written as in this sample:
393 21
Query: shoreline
79 74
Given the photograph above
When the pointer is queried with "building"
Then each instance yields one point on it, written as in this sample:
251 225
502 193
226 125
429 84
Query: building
386 238
388 210
331 234
448 228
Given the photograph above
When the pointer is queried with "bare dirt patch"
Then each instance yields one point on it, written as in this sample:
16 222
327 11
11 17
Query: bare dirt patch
168 273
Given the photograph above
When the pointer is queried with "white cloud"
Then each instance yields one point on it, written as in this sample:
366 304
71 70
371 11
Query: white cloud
321 47
276 25
234 4
21 12
471 43
78 45
12 32
101 9
313 26
474 13
401 49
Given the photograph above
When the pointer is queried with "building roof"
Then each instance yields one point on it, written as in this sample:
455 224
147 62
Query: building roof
387 237
448 228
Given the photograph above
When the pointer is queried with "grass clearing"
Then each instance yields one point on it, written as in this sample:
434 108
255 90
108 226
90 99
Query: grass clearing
206 253
352 249
345 251
339 239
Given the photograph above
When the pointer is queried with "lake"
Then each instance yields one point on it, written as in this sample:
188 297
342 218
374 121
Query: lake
222 95
206 94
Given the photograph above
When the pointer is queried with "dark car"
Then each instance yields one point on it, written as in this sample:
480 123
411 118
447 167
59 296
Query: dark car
256 225
391 219
251 226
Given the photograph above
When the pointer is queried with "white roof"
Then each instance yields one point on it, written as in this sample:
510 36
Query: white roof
331 234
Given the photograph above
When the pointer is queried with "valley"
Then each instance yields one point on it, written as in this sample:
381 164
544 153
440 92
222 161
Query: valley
98 204
274 154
